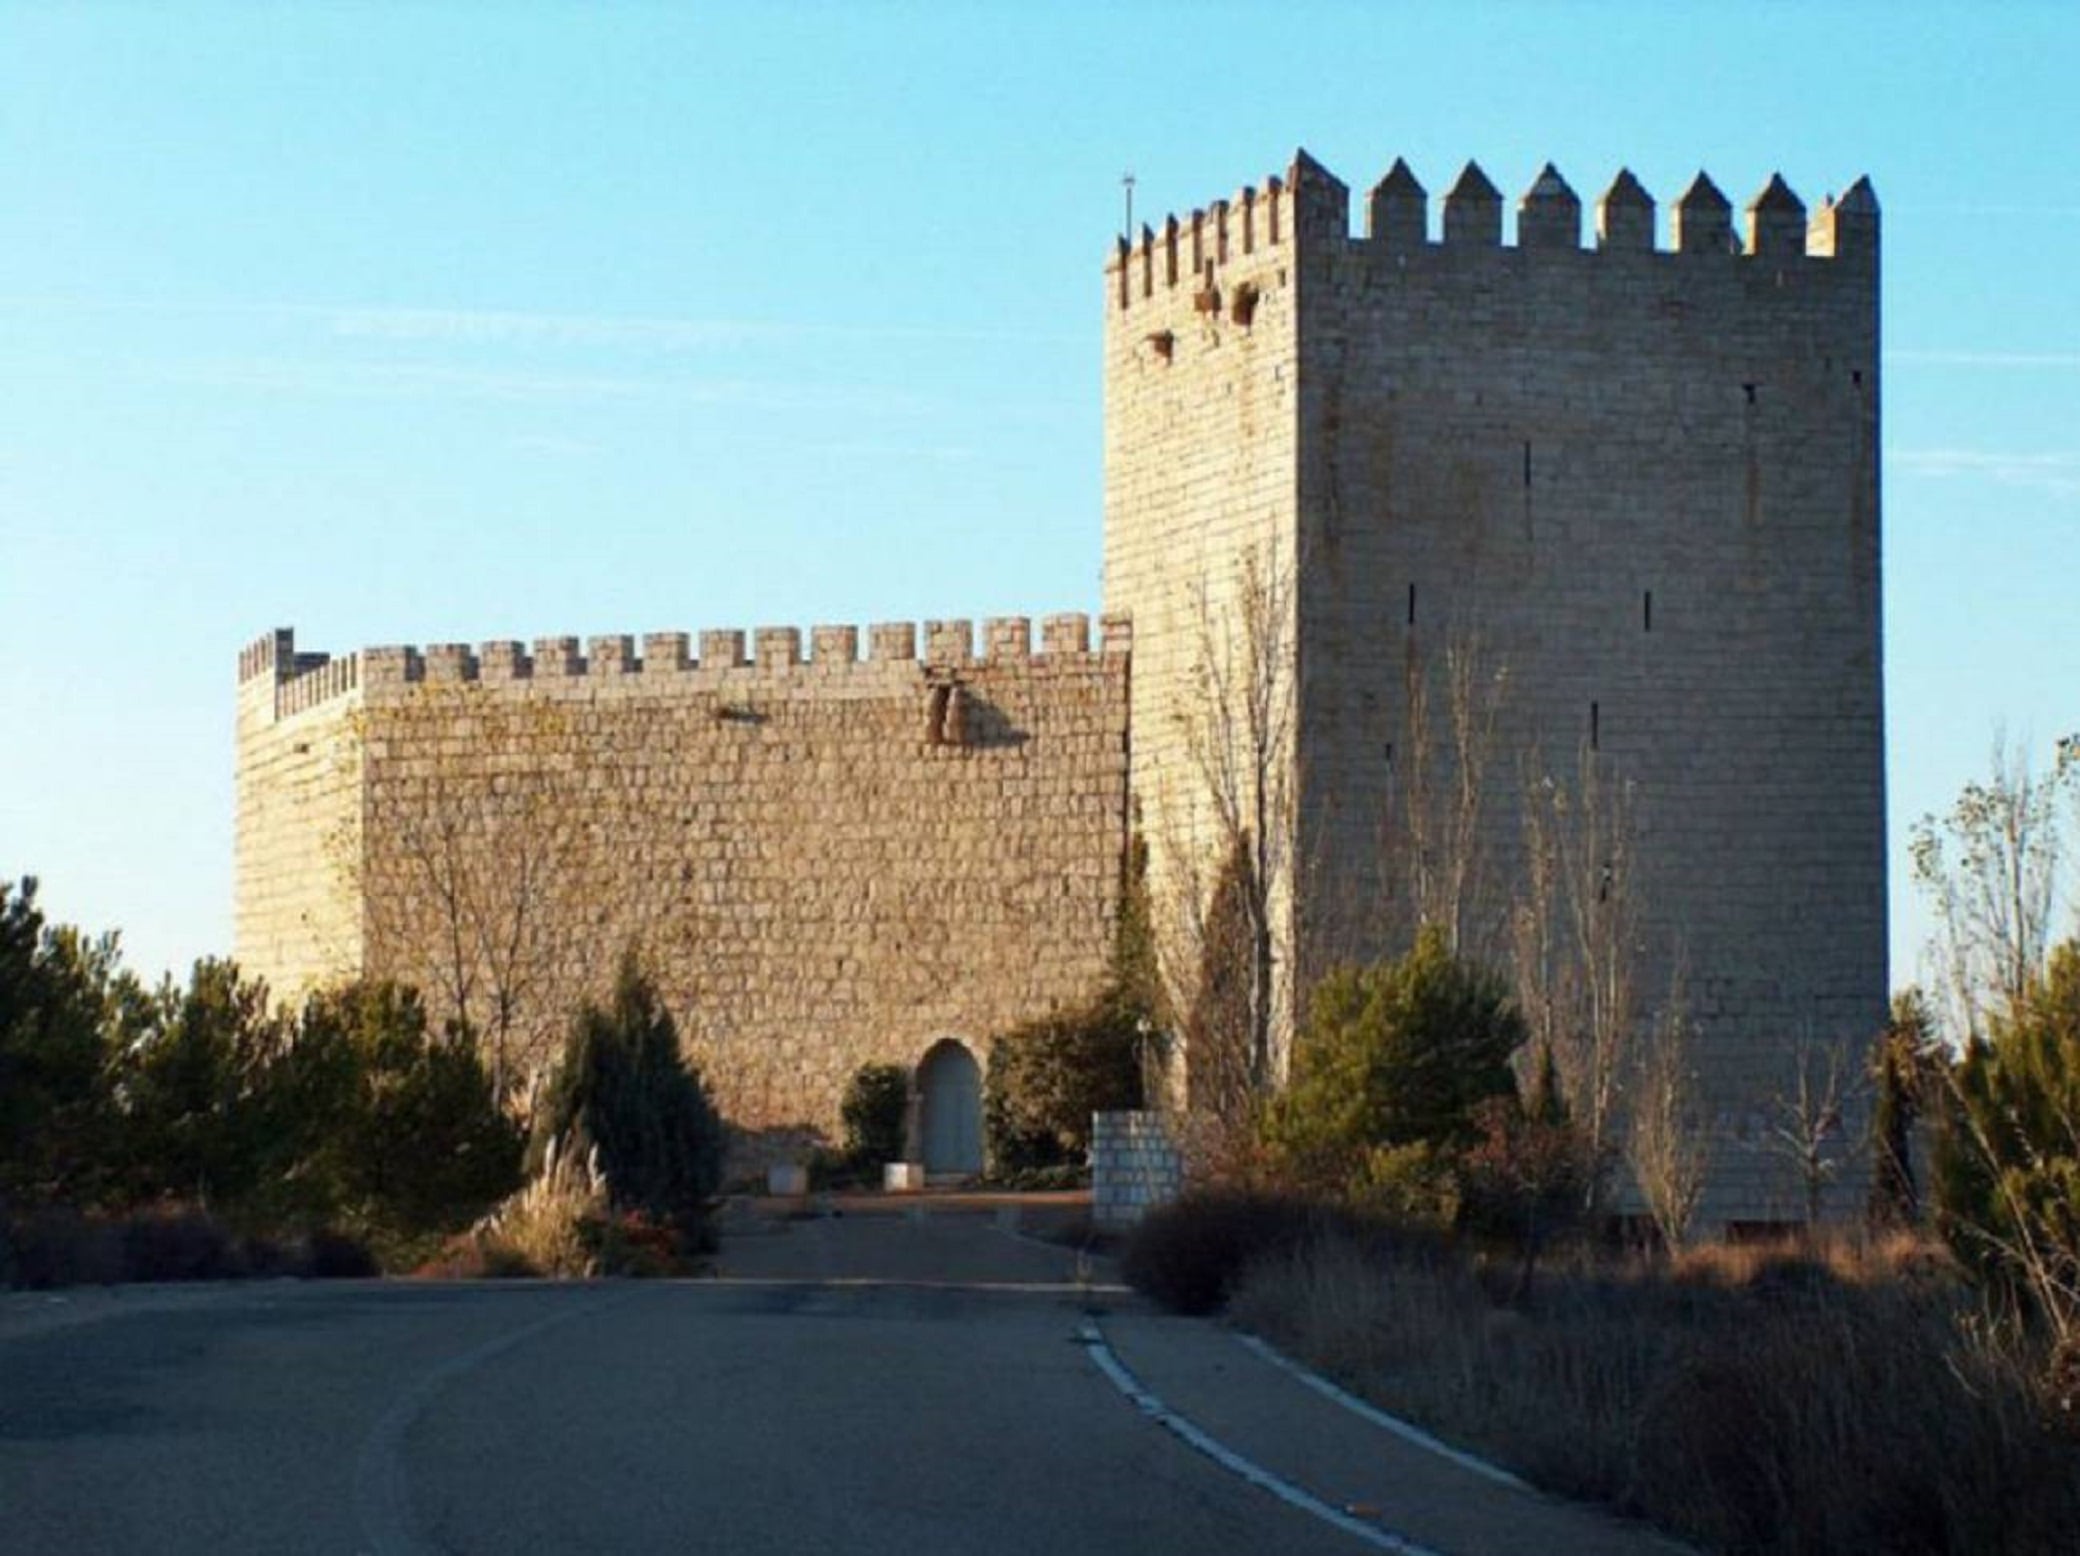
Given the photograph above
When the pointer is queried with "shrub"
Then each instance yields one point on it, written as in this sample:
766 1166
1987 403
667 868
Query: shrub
56 1246
628 1244
876 1113
192 1089
1526 1180
395 1130
2008 1163
1829 1401
63 999
1394 1055
1048 1077
1907 1069
542 1229
1188 1255
329 1255
624 1089
177 1244
61 1247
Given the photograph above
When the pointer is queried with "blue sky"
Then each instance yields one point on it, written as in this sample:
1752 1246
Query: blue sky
416 322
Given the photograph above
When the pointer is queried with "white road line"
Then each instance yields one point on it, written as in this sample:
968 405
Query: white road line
382 1499
1379 1418
1107 1362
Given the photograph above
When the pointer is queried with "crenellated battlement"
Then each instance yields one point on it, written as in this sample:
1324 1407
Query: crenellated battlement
1310 203
305 680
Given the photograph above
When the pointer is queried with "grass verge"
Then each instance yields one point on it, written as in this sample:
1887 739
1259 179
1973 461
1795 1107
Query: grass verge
1813 1401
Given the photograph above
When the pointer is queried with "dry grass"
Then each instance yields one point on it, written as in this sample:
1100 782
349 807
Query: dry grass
561 1224
1831 1400
542 1229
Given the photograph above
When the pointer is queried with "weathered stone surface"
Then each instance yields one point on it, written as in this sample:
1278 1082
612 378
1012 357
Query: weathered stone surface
1646 481
818 881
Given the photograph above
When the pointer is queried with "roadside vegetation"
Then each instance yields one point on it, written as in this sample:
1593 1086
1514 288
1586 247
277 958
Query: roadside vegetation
1430 1210
196 1132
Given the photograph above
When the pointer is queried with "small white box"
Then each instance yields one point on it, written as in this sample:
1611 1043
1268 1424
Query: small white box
902 1177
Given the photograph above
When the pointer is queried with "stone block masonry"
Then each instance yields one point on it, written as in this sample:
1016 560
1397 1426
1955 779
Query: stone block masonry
828 860
1643 481
1135 1166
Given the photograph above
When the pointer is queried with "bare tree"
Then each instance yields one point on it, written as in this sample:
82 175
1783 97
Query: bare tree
1575 941
1668 1145
1809 1128
1229 842
1438 796
474 858
1990 866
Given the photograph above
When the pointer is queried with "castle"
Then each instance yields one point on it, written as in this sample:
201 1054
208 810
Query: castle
1634 488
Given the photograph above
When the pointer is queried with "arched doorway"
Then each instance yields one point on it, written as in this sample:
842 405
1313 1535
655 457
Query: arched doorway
949 1086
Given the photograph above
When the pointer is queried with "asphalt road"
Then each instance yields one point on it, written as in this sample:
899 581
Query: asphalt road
683 1416
867 1384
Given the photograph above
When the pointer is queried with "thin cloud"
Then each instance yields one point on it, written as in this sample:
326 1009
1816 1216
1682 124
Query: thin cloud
469 327
493 327
420 380
2057 472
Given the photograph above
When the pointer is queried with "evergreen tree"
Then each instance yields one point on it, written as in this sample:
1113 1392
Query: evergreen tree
624 1088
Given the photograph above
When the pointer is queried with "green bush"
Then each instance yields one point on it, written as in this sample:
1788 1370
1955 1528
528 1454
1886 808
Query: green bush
193 1089
422 1146
63 1003
1393 1056
1047 1077
624 1089
2008 1158
876 1113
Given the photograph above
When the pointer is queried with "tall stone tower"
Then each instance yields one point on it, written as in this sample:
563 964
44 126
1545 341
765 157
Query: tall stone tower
1635 486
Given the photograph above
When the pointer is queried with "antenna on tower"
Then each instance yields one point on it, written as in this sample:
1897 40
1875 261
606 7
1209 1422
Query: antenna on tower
1126 182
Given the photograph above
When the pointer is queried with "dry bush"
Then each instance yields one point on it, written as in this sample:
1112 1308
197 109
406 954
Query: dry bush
171 1242
545 1228
1790 1399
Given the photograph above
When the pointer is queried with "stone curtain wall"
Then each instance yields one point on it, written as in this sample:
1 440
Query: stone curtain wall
829 860
1646 478
298 787
1135 1166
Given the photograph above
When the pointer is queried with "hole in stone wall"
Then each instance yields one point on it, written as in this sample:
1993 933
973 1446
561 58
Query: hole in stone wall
1411 605
1856 378
935 715
1595 726
1646 611
1749 391
1527 462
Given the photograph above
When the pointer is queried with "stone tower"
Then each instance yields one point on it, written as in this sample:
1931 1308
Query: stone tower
1640 482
